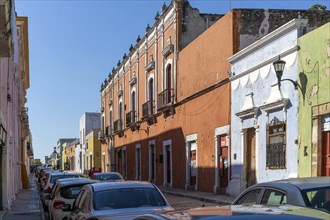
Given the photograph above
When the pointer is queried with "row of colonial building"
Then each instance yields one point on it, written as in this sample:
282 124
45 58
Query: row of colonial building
197 103
16 151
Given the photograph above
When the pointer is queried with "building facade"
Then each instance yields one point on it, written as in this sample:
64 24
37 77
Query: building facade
89 121
314 103
165 108
16 151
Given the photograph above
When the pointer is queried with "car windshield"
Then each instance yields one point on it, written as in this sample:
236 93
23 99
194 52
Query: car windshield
318 198
106 177
70 192
127 198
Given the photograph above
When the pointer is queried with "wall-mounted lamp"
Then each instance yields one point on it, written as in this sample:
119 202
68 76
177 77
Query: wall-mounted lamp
138 127
279 68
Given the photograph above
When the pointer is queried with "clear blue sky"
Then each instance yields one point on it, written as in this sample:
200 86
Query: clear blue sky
75 44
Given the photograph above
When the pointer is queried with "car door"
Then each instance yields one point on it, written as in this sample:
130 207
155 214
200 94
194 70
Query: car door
76 207
82 205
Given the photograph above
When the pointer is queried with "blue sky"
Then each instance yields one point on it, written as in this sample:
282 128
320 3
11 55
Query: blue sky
75 44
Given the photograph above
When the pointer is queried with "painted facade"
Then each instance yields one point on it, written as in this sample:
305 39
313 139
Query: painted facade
16 151
88 122
93 150
314 103
165 109
264 115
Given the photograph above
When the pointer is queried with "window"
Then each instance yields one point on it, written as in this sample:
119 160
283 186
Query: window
250 197
276 144
273 197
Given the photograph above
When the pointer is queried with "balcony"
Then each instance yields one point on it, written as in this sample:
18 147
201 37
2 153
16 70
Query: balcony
118 126
150 66
164 99
167 50
101 135
130 118
132 81
147 109
108 131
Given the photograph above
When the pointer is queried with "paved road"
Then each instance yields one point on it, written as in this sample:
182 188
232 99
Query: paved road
180 203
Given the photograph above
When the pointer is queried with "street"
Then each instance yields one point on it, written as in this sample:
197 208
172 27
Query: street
180 203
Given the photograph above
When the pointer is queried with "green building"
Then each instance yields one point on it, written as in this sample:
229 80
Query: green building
314 103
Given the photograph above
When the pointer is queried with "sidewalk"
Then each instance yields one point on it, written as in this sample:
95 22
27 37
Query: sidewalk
202 196
27 205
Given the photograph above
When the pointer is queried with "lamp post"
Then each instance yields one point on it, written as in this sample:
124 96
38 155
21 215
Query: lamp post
279 68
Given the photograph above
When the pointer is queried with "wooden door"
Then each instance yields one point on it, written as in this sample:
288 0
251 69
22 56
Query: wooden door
168 164
325 170
250 159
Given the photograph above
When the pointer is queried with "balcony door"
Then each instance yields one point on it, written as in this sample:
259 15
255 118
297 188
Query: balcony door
150 96
168 82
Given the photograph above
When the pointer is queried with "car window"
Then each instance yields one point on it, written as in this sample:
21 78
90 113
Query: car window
273 197
250 197
78 199
318 198
70 192
127 198
54 178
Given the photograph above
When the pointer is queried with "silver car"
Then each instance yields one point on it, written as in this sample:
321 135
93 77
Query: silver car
117 200
313 192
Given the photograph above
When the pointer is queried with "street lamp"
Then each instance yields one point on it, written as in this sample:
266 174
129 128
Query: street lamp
279 68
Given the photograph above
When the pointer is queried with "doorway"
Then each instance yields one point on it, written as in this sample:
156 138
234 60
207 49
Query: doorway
250 158
325 170
223 162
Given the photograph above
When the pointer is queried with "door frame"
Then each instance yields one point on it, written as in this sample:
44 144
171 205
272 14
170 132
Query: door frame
189 139
167 143
224 130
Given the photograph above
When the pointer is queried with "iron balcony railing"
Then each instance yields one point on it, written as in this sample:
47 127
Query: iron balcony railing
164 98
118 125
130 118
147 109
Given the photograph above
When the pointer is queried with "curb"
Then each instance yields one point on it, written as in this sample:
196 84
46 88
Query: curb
198 198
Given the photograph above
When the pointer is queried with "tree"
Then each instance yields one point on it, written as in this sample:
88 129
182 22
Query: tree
318 7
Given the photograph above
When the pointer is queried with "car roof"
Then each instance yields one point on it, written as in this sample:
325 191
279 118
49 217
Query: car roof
63 174
108 173
77 181
117 185
301 183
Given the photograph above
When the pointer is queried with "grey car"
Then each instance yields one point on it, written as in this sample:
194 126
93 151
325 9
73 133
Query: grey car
107 177
313 192
117 200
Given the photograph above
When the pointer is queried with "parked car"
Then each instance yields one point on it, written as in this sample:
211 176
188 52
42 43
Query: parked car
117 200
94 170
65 192
47 188
107 177
241 212
313 192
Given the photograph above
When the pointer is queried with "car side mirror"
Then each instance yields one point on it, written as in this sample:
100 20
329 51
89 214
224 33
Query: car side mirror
66 208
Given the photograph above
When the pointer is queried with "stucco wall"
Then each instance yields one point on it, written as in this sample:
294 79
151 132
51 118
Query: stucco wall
259 83
315 65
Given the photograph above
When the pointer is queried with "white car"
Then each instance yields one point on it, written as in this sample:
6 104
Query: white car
117 200
47 188
65 192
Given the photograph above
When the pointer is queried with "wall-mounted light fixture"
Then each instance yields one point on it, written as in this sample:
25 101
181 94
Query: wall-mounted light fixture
138 127
279 68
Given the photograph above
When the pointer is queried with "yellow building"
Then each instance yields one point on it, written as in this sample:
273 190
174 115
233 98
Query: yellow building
93 150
